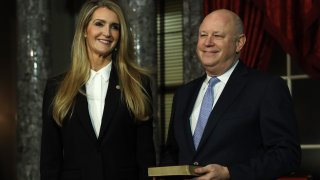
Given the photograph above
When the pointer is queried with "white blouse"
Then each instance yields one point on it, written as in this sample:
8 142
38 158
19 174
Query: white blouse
96 90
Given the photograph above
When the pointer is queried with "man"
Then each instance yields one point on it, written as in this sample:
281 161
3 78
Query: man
250 131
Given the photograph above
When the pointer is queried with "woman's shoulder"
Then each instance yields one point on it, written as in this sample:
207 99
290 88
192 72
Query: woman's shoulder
145 79
146 83
55 80
52 86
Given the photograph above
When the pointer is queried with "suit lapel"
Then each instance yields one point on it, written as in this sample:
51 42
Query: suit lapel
232 89
83 114
111 104
112 101
189 108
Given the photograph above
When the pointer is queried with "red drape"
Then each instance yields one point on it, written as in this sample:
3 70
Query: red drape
294 24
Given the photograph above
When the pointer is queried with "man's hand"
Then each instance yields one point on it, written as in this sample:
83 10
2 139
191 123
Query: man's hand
213 172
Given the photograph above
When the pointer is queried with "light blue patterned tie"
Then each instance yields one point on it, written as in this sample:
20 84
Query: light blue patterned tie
205 110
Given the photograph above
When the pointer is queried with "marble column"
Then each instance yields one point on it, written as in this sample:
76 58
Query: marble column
192 17
141 15
32 59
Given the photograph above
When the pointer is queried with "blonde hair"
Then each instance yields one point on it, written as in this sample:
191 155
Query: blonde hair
132 91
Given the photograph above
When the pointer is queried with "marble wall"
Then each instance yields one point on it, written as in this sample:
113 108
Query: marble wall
192 17
32 58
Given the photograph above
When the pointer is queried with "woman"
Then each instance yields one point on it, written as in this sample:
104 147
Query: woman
96 117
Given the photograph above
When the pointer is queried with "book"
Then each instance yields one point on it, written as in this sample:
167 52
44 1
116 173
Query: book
180 170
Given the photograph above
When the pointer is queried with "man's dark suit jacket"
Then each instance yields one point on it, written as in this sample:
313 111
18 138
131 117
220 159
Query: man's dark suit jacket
251 129
123 150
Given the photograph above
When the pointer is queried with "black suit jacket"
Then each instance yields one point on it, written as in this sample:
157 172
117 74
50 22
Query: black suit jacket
123 150
251 129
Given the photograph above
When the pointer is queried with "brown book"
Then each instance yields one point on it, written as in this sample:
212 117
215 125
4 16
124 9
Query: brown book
181 170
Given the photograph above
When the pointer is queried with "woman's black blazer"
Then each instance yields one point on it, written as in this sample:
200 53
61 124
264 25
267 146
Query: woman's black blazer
123 150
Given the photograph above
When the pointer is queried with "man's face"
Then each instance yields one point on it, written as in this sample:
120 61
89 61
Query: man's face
217 42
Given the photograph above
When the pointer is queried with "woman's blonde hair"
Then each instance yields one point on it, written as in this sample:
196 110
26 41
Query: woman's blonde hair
130 74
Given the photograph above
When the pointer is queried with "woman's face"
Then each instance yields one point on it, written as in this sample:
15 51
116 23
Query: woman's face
103 33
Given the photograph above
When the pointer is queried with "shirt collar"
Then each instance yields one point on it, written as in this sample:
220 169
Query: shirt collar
104 72
225 76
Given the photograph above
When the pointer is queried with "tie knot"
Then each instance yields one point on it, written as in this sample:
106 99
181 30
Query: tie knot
213 81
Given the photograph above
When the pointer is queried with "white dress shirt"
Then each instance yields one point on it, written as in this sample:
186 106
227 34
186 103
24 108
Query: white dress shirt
217 90
96 89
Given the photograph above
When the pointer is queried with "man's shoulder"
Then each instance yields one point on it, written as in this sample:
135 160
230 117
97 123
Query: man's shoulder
262 75
261 78
191 85
255 76
194 81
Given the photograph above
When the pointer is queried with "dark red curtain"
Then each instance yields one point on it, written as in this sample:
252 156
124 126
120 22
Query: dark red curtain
294 24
